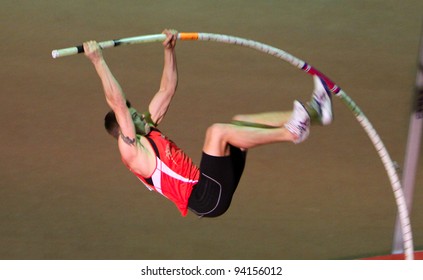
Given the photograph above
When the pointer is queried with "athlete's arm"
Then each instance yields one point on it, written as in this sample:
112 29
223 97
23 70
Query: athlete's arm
169 81
115 98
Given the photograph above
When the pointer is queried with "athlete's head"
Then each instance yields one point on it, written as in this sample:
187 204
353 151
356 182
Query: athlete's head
111 124
140 123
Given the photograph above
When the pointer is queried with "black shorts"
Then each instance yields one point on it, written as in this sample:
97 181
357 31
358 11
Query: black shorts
219 178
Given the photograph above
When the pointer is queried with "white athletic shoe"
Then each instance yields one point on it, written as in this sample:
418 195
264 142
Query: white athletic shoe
322 101
299 123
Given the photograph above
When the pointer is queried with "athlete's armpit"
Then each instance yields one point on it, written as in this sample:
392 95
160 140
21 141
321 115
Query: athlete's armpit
128 140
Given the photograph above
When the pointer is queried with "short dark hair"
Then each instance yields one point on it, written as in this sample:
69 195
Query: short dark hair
111 124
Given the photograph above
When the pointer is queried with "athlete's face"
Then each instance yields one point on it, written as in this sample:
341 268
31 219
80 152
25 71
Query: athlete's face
136 118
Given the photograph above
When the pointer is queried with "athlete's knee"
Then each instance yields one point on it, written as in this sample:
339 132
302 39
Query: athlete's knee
216 131
240 117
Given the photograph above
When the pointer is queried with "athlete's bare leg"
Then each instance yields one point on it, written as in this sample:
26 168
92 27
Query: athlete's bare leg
218 137
249 131
273 119
270 119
